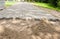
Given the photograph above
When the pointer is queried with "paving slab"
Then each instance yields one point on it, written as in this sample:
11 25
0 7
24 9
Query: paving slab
24 10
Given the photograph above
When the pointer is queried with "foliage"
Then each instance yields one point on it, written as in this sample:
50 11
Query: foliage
9 3
46 5
55 3
58 4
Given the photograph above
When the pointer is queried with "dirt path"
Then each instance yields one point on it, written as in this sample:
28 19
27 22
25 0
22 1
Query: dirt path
53 12
28 29
25 10
25 26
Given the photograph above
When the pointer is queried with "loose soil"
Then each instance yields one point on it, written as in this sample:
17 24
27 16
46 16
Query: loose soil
29 29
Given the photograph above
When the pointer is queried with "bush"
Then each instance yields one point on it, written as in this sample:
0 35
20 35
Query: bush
59 4
54 3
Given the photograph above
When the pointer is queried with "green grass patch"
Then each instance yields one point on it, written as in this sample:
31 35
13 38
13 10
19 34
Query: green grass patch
46 5
9 3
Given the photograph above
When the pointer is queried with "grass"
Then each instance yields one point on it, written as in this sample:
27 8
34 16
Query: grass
46 5
9 3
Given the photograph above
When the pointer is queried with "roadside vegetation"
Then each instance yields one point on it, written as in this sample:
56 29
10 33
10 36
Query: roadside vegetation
51 4
9 3
45 5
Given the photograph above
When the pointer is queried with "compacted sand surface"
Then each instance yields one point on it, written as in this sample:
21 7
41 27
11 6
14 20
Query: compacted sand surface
29 29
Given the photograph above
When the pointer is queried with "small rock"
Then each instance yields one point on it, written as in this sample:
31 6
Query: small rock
1 29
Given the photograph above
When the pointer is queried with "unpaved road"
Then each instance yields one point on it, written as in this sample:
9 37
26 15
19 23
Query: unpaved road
24 10
27 29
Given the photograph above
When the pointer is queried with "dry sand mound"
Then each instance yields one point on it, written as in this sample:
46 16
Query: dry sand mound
29 29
